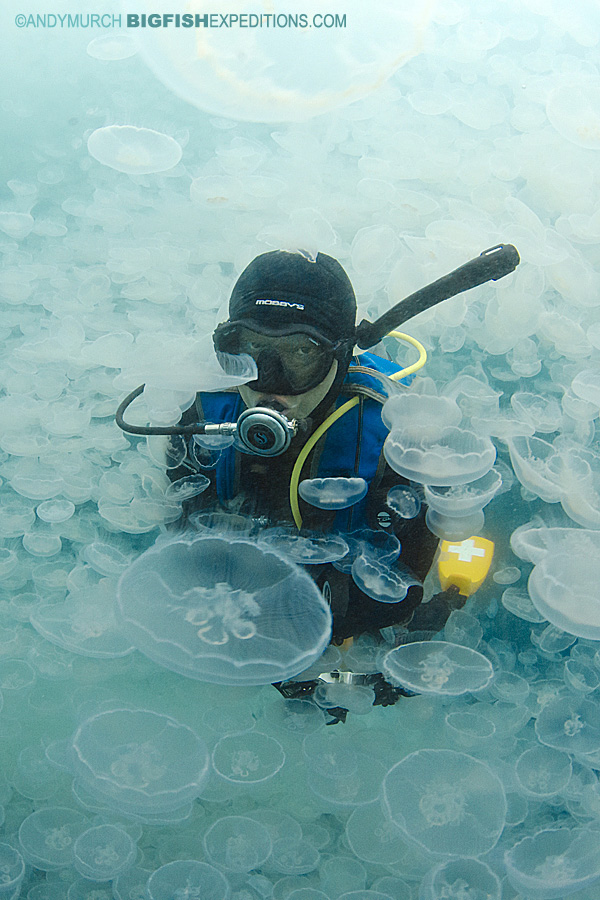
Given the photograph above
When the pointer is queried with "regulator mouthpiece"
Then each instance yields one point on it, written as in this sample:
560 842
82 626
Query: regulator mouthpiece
258 430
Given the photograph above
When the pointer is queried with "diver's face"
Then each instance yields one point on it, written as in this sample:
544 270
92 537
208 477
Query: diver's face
293 406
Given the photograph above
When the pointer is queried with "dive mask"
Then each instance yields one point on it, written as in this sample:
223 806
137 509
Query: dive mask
288 363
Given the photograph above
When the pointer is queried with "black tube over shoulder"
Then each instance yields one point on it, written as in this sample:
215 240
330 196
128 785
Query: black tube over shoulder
490 265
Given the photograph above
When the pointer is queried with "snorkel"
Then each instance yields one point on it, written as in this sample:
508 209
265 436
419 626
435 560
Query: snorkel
266 432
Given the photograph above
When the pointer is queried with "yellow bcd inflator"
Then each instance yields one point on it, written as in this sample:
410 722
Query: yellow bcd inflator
465 564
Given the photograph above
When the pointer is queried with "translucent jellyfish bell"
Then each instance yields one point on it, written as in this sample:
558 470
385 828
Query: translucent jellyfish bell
464 499
573 109
248 757
453 456
103 852
187 878
139 761
447 802
237 844
313 549
135 151
468 878
404 501
279 67
554 862
333 493
222 609
379 581
437 667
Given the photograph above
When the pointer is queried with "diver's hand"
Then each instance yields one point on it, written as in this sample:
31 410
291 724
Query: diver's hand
433 616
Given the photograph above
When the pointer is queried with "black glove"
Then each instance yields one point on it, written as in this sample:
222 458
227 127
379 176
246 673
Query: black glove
433 616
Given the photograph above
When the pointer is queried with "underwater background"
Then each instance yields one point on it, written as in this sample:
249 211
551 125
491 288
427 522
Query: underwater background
472 123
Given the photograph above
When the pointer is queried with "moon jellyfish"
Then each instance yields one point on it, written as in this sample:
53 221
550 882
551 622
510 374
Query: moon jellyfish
404 501
571 724
447 802
55 511
16 225
373 837
543 771
184 488
237 844
379 581
461 879
222 609
139 761
464 499
112 47
437 667
554 862
12 871
248 758
422 415
84 623
536 465
564 589
256 72
134 151
333 493
47 836
313 549
186 878
573 109
294 857
373 545
519 603
103 852
454 456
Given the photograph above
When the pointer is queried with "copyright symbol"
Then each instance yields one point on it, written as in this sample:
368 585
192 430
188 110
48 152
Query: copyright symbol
20 20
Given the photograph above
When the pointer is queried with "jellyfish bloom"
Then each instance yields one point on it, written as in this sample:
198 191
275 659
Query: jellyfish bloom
134 151
103 852
187 878
139 761
554 862
447 802
224 610
237 844
453 456
457 878
333 493
437 667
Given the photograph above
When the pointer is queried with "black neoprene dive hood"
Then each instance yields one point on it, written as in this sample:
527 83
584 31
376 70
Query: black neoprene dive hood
280 293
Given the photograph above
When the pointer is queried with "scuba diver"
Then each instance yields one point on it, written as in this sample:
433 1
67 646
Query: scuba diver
313 411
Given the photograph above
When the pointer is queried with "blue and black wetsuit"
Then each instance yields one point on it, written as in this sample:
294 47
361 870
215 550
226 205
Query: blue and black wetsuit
258 487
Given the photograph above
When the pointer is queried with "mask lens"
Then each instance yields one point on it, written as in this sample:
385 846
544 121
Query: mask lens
287 364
